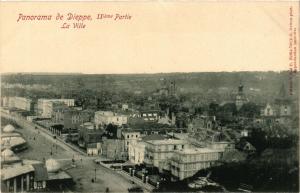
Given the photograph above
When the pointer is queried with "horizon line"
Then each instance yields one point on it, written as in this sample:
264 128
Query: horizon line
135 73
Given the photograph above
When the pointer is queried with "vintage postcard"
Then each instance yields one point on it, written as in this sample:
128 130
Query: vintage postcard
149 96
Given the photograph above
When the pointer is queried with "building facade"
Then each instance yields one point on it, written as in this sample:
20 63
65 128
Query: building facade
19 103
159 152
45 106
89 134
114 149
136 153
130 138
71 118
187 162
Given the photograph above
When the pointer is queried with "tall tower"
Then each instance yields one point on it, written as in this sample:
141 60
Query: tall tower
240 97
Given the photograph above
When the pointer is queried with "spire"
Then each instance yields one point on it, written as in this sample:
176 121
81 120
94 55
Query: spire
282 92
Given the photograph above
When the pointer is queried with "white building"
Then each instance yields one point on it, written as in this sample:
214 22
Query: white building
136 153
187 162
45 105
108 117
19 103
159 152
130 138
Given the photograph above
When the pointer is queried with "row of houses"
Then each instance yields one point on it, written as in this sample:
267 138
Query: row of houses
18 103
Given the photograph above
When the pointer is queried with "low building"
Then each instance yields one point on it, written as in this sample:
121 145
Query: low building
93 149
22 175
57 177
18 179
89 134
187 162
159 152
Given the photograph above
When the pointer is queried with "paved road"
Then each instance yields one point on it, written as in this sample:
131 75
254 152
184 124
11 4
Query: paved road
39 147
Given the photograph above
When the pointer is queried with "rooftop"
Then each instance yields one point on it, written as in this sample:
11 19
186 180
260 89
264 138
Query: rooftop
8 173
61 175
167 142
197 151
153 137
40 172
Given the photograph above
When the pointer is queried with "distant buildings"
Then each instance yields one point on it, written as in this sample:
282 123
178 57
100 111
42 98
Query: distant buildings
107 117
150 115
18 102
280 110
201 122
46 106
71 118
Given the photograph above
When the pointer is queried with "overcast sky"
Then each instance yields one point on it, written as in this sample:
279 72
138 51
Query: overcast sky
160 37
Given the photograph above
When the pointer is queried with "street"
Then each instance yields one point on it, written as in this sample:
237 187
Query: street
40 146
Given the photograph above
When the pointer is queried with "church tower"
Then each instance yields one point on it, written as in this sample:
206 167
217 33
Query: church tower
240 98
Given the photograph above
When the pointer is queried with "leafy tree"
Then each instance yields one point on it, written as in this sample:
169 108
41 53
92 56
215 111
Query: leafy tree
112 131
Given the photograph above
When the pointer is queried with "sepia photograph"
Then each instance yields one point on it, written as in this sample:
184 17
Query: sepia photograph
149 96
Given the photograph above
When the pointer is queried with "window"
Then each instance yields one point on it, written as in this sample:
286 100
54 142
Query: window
127 136
285 110
268 111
